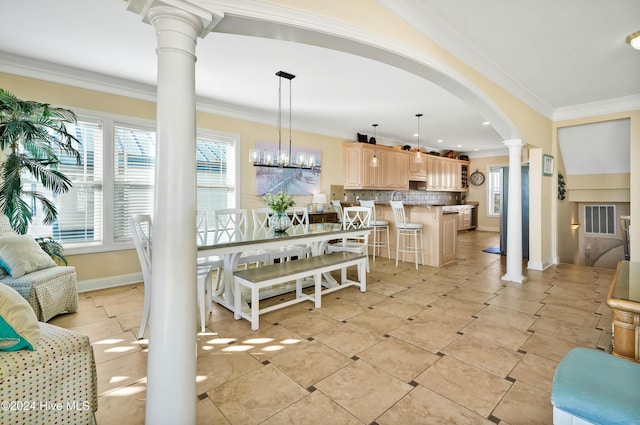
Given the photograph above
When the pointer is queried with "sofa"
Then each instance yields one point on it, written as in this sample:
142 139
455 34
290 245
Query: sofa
47 373
50 289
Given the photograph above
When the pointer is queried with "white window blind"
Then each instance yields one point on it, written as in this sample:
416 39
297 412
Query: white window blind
215 164
134 175
80 210
494 200
600 219
133 178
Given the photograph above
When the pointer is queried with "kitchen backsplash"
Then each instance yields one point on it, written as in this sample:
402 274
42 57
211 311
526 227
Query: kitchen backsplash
408 196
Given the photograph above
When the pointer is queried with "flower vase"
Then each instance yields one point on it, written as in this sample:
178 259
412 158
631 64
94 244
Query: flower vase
279 222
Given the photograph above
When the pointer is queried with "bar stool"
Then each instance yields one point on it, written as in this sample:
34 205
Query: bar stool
406 230
380 228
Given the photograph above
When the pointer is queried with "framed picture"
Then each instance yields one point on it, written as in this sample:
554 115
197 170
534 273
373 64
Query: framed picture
547 165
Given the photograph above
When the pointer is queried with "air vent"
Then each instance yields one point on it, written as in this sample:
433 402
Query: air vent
600 219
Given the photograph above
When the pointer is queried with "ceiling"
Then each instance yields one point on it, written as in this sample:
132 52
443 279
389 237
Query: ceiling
561 57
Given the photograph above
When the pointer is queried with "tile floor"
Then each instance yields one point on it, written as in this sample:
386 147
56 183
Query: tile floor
452 345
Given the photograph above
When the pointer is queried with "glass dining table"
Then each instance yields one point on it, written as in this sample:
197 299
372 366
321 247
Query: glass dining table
229 245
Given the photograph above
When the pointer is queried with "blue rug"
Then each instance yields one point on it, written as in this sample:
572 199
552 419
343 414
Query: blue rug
492 250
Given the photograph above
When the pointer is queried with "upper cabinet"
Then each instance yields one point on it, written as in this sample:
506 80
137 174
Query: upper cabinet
447 174
391 172
396 167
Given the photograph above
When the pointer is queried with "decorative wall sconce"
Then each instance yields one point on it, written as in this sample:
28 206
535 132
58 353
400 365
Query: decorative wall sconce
575 226
283 158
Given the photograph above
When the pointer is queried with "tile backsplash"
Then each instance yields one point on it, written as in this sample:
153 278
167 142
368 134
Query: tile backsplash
408 196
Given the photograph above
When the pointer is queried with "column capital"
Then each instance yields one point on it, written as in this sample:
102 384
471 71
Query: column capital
514 143
204 20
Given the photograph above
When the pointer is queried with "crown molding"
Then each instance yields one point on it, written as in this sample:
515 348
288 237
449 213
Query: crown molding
609 106
62 74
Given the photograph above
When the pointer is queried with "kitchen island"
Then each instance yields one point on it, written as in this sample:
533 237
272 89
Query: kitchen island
439 231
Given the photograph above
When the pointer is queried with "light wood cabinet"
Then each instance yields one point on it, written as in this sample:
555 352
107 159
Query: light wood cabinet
446 174
417 170
396 167
391 173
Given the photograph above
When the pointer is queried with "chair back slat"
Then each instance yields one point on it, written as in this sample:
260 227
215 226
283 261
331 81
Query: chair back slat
338 207
142 230
298 215
231 224
398 212
356 217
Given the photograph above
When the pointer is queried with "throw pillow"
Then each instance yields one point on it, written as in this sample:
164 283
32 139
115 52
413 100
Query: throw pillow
21 254
19 326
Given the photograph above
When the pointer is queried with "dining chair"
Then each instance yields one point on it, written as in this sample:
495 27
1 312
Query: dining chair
142 230
232 224
204 237
285 253
353 218
405 231
337 206
380 230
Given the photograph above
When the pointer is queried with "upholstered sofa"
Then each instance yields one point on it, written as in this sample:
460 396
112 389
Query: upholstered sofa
47 373
50 289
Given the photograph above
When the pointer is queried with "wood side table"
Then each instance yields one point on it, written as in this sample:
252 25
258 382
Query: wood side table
624 300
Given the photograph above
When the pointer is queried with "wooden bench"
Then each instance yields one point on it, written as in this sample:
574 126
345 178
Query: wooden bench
265 276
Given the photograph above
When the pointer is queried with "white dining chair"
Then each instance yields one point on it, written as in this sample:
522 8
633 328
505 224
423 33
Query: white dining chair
405 232
204 237
232 225
353 218
337 206
380 230
142 231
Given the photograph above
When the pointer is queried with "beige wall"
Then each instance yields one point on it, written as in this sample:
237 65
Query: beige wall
597 188
479 193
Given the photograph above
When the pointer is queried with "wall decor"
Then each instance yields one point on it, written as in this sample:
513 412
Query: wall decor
295 181
547 165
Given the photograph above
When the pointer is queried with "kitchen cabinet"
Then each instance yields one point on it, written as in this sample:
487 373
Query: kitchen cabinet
418 170
465 215
446 174
391 173
396 167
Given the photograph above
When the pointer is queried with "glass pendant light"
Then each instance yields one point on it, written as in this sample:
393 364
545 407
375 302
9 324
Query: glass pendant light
418 158
374 160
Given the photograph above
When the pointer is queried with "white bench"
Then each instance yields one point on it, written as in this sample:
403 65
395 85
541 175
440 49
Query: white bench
265 276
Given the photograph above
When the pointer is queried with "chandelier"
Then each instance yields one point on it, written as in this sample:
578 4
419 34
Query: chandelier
283 158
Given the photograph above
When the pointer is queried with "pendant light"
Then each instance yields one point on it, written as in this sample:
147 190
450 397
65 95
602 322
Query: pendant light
284 158
418 158
374 160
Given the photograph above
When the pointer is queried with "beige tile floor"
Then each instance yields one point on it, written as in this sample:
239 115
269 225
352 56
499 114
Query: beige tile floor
452 345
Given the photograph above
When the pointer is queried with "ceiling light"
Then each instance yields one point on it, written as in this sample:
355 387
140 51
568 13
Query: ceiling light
439 140
634 40
459 146
374 161
284 158
486 123
418 158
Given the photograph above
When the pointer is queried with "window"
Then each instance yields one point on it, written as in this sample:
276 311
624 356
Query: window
80 209
108 188
494 191
600 219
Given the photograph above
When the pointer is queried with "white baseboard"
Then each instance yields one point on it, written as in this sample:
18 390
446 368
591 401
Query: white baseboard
536 265
489 229
109 282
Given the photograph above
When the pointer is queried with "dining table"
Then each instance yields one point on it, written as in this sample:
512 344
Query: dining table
230 244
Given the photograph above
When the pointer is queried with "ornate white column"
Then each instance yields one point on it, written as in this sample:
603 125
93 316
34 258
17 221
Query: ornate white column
171 367
514 213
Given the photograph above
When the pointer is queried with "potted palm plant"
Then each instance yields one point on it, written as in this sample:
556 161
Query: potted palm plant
31 135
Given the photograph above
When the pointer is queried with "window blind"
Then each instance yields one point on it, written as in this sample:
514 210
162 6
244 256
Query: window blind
133 177
80 209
